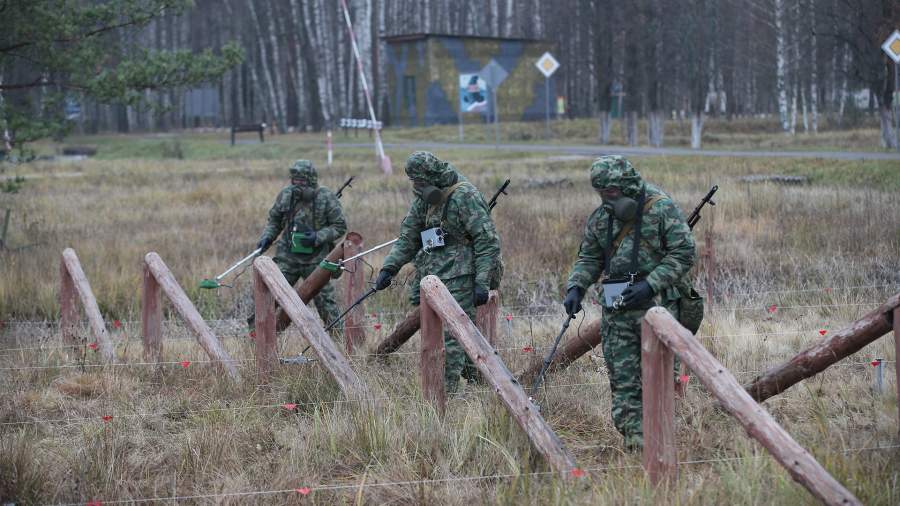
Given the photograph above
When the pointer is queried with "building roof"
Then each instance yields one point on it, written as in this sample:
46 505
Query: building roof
407 37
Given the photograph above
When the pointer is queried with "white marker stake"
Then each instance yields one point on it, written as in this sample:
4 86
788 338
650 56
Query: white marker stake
330 150
379 147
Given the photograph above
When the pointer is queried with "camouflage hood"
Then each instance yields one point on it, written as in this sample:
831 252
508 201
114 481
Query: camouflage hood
427 167
615 170
304 171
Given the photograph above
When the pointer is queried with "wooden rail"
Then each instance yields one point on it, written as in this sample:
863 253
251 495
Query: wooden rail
658 417
270 286
442 307
827 351
313 284
158 279
485 320
74 286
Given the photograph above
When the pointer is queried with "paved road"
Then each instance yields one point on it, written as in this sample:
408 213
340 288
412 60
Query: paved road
587 150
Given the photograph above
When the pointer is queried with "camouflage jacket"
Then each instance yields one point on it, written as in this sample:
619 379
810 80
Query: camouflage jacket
323 214
666 251
472 243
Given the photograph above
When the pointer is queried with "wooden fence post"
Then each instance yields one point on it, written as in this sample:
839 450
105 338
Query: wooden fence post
658 392
758 423
185 307
354 287
492 368
432 357
825 352
312 330
68 308
487 316
83 288
266 355
897 360
151 317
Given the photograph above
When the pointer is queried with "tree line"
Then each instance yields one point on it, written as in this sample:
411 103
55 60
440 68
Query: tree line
798 60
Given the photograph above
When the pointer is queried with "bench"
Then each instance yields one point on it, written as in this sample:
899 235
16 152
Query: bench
255 127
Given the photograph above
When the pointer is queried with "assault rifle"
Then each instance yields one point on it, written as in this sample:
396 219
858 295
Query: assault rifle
695 216
501 190
345 185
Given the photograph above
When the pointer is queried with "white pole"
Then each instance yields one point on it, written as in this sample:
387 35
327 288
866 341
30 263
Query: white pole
379 147
547 107
897 104
330 150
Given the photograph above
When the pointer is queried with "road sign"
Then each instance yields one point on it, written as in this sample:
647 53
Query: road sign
547 64
891 46
494 74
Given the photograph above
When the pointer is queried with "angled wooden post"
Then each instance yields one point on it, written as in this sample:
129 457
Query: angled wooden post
354 287
151 317
310 328
758 423
313 284
186 309
432 357
585 339
486 317
658 400
825 352
266 354
73 276
492 368
68 305
401 333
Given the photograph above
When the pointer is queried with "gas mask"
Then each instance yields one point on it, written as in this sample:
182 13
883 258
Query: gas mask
622 208
306 193
427 192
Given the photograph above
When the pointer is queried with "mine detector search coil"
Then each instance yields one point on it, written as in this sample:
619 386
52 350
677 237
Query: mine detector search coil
214 283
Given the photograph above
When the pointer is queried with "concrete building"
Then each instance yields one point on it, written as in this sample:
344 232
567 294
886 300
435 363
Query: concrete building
433 77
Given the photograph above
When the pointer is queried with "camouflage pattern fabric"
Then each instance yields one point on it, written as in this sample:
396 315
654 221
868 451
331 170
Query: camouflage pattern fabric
665 256
322 214
472 249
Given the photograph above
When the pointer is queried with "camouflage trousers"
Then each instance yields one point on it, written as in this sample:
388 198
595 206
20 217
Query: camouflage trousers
325 301
456 362
621 342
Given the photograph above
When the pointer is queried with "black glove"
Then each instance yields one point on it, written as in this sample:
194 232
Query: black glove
383 280
481 296
308 239
263 244
636 294
573 300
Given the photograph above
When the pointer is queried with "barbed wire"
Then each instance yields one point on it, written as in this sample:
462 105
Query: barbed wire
305 489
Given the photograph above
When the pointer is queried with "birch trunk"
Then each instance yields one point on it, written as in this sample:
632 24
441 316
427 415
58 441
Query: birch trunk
888 138
781 65
277 71
272 103
842 96
696 129
605 126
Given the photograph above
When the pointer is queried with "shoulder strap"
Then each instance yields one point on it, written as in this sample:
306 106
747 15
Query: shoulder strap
449 191
614 244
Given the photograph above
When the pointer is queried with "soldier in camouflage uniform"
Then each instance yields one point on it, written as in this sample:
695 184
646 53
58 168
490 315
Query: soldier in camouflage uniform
658 271
467 263
310 221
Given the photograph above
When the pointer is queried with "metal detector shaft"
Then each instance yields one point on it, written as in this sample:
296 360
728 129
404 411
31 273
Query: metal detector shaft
549 357
366 252
358 302
240 262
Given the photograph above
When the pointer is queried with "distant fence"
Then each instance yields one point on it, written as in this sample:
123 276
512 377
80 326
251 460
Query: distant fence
661 335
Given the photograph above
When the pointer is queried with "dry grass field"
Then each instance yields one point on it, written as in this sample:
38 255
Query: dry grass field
823 253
